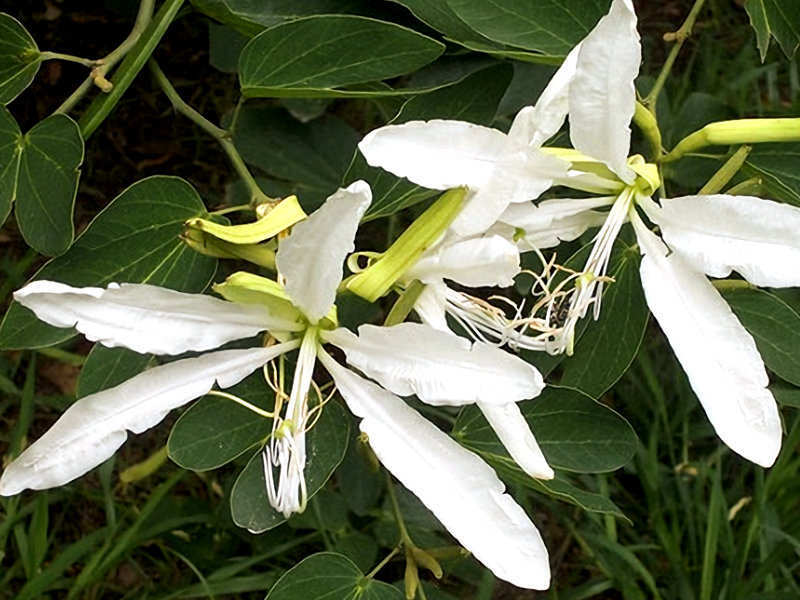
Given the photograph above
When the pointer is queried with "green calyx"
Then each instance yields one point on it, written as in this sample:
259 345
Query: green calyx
262 255
377 279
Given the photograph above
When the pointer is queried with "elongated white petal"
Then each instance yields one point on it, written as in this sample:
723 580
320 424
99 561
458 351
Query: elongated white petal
437 154
718 354
147 318
517 437
92 429
760 239
602 97
522 175
534 125
459 488
439 368
431 306
311 258
475 262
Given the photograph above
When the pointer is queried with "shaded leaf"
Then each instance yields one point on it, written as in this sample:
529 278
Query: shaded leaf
106 367
775 18
317 56
775 327
330 576
326 444
40 173
776 164
134 239
214 431
19 58
575 432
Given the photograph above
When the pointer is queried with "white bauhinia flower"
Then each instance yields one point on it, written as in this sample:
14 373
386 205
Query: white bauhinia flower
298 312
711 235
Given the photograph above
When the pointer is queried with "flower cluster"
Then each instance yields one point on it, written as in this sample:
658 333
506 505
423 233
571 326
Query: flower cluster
472 237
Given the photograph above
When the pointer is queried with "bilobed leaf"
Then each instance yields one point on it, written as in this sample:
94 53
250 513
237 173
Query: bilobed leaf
330 576
214 431
775 18
475 99
774 325
106 367
326 444
134 239
776 164
314 155
317 56
550 27
574 432
609 345
251 17
51 153
19 58
438 15
39 171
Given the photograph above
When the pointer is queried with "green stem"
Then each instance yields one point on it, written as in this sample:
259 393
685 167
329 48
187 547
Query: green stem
136 49
405 539
726 172
404 304
70 358
732 284
680 37
740 131
103 65
383 563
230 209
748 187
223 136
86 62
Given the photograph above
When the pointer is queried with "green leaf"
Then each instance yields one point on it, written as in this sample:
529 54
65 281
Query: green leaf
326 444
106 367
438 15
550 27
564 490
330 576
251 17
786 395
19 58
475 99
776 164
775 326
777 18
609 345
316 56
214 430
313 155
40 172
134 239
575 432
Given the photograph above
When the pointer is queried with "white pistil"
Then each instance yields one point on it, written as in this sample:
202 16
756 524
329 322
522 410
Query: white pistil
286 450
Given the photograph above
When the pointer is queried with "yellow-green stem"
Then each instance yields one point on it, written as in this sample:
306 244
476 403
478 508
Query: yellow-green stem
726 172
645 120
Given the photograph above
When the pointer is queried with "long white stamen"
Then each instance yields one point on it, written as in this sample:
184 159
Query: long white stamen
286 451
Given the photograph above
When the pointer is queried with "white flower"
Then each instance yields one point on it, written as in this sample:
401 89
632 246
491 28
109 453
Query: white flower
462 491
710 235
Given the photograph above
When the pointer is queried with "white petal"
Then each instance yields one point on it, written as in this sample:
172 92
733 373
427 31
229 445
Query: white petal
147 318
430 306
439 368
522 175
474 262
760 239
517 437
436 154
462 491
92 429
719 356
536 124
602 97
311 258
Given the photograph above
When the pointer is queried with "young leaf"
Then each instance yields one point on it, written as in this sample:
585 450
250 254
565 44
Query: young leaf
40 172
574 432
776 18
326 444
330 575
317 56
19 58
134 239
